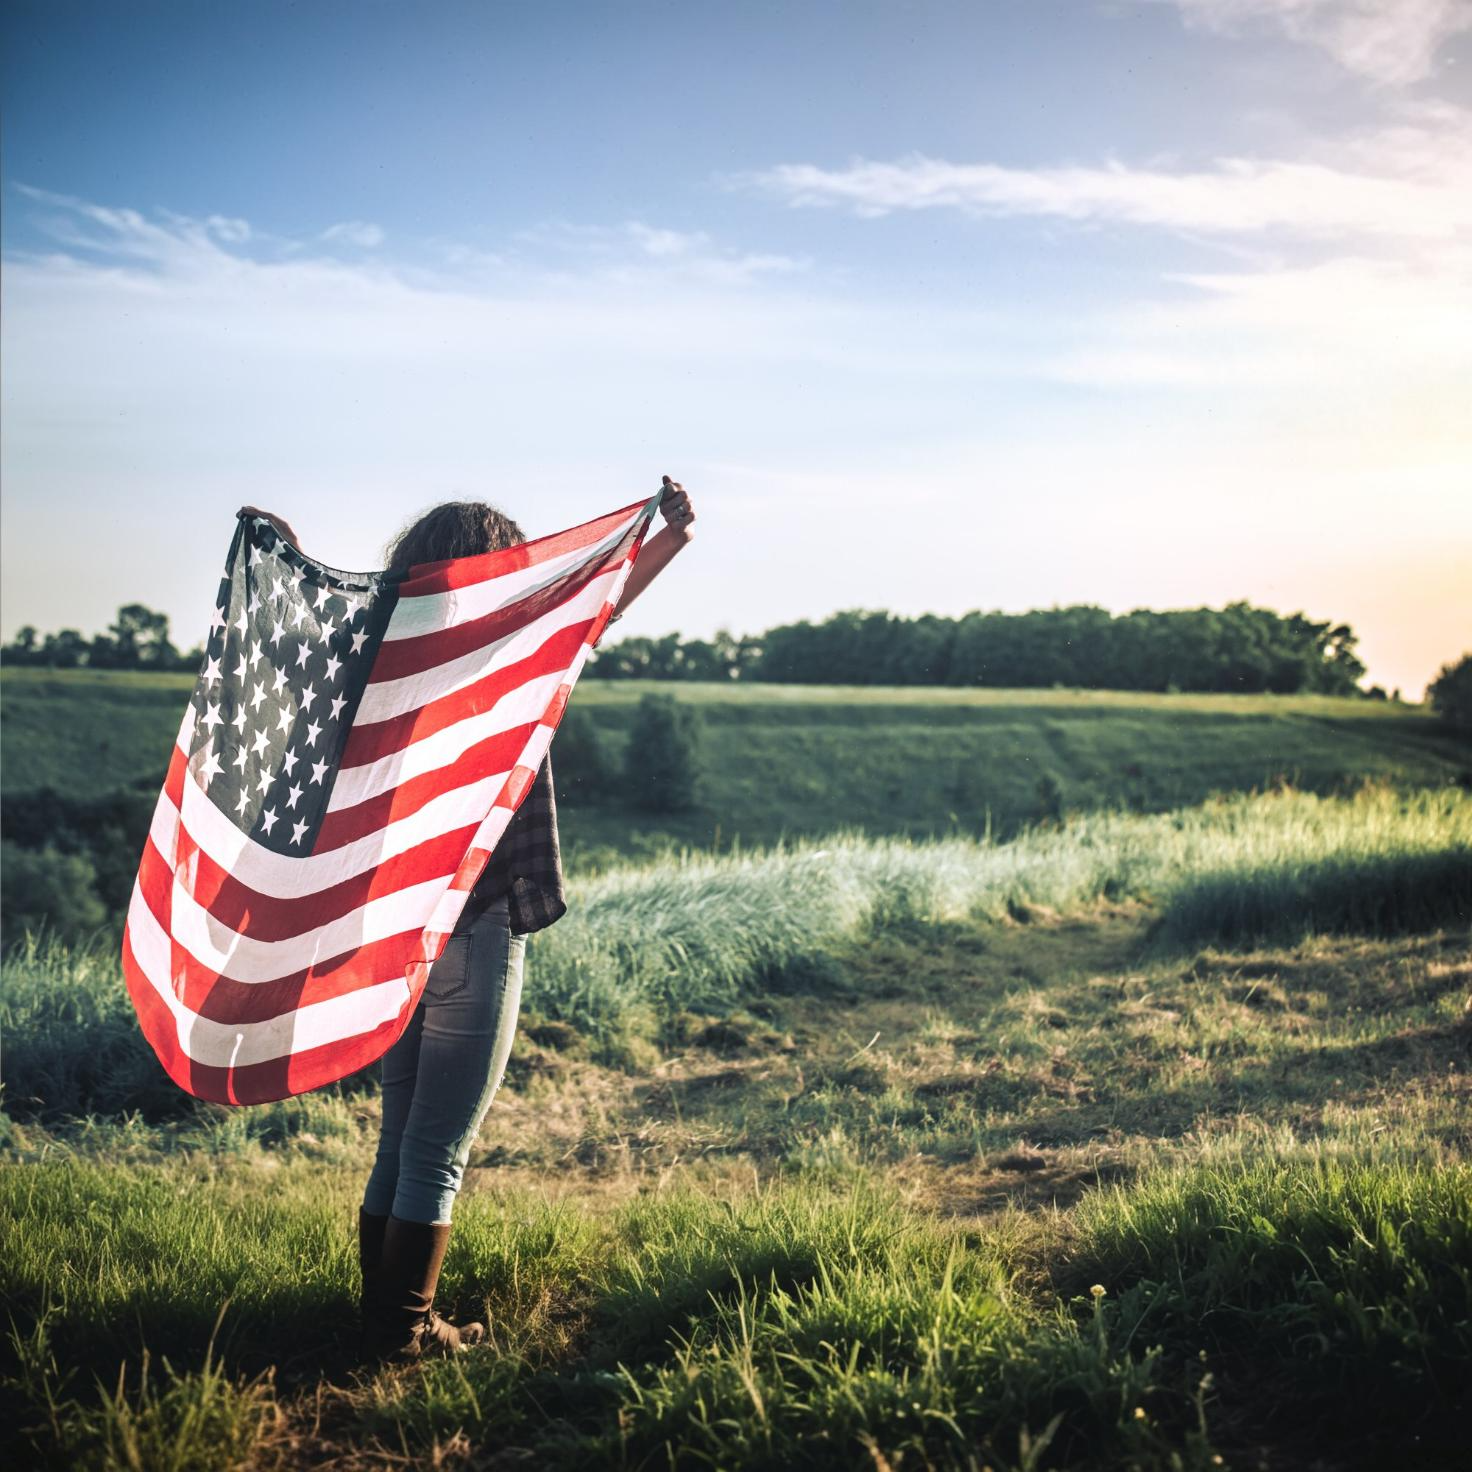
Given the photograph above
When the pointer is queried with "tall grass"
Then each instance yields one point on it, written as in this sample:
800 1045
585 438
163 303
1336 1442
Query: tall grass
700 932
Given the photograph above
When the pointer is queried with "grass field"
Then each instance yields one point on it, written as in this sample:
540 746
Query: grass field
1142 1141
787 761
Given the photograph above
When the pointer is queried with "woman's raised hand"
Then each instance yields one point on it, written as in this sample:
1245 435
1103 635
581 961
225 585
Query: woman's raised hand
676 509
280 523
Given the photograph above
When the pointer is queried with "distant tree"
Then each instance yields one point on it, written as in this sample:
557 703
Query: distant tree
1450 694
581 768
63 651
662 760
25 648
142 639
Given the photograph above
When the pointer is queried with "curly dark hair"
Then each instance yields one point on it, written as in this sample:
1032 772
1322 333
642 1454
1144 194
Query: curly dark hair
454 529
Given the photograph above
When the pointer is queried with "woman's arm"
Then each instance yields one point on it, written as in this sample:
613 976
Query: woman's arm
659 550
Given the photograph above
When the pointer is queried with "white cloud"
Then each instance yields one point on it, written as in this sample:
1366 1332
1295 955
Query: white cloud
1389 42
361 233
1411 180
634 248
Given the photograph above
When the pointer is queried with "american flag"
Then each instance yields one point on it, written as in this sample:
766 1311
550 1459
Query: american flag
354 749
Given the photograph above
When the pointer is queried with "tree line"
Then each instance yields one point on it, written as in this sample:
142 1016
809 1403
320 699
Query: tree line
138 639
1237 648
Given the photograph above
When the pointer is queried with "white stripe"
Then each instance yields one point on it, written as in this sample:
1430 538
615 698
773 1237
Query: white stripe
383 700
237 957
286 876
518 707
431 612
228 1044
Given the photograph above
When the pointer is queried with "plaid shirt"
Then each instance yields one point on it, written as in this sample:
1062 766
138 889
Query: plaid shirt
526 866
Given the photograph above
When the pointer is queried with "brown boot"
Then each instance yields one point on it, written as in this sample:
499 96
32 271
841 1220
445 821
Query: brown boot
399 1317
370 1249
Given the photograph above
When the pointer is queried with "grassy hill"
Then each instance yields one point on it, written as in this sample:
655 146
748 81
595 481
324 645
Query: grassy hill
802 760
1141 1142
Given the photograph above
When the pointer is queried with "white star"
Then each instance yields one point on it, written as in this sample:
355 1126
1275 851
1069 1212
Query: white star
212 717
322 596
313 732
244 802
319 771
242 623
243 666
240 755
338 701
217 620
264 779
277 630
297 830
257 696
309 694
290 759
252 602
238 719
359 640
292 796
254 559
333 665
280 684
212 672
210 766
268 818
262 742
284 717
303 654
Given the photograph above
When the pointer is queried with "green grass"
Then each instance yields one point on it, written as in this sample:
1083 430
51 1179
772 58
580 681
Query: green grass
789 761
806 1325
814 1156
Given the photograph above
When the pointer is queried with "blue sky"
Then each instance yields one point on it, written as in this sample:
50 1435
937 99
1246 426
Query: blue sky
931 306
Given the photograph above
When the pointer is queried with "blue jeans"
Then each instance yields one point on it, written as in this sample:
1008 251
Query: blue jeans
441 1075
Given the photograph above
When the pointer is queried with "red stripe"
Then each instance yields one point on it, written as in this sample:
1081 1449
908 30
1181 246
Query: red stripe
367 743
267 917
398 658
257 1083
441 577
495 754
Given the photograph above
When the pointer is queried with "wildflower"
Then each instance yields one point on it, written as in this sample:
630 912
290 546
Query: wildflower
1097 1290
1139 1413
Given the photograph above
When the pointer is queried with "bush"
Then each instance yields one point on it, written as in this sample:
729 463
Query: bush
1450 694
662 763
582 771
41 887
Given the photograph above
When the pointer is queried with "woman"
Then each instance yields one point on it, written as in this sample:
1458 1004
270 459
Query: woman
440 1077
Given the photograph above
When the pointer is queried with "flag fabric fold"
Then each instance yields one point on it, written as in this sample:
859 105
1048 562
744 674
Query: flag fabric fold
354 748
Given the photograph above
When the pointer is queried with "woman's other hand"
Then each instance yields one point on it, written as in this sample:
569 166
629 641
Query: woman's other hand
677 511
280 523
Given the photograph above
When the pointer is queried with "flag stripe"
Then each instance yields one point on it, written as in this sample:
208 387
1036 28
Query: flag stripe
441 577
385 698
371 741
519 706
416 617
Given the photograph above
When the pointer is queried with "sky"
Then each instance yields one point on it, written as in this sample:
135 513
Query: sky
930 306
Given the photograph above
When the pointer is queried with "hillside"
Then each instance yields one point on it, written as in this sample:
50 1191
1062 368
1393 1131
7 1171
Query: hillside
806 759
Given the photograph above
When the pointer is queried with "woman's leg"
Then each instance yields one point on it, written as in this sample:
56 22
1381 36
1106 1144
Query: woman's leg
469 1012
399 1070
